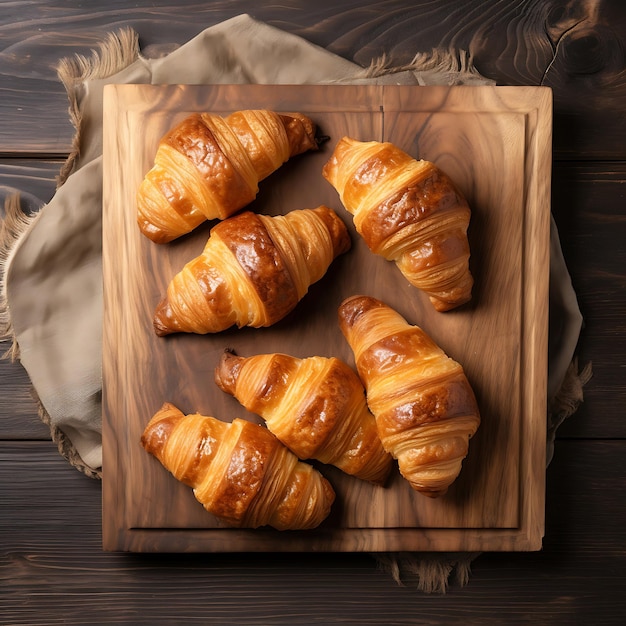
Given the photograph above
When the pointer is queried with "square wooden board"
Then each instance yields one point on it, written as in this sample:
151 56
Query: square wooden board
495 143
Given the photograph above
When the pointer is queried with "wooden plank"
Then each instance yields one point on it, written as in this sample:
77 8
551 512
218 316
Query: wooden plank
29 104
588 205
488 493
575 48
18 407
34 182
51 563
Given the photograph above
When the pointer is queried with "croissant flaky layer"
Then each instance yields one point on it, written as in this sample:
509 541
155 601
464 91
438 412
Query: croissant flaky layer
316 406
409 212
239 471
209 167
253 271
424 406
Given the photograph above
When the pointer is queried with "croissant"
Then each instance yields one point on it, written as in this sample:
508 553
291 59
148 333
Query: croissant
409 212
209 167
239 471
315 406
424 407
253 271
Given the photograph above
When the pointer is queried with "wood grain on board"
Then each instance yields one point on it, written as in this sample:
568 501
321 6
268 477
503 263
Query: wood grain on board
495 144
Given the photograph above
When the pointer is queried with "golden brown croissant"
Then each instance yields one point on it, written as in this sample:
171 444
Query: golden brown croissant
424 406
209 167
253 271
407 211
239 471
316 406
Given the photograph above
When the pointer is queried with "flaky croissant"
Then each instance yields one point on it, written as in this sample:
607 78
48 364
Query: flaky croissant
239 471
316 406
209 167
253 271
409 212
425 409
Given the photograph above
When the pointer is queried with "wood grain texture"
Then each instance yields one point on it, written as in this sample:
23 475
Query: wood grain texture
34 183
588 205
572 46
18 407
51 563
501 486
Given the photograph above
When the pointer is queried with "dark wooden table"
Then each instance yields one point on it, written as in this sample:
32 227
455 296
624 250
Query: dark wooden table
52 568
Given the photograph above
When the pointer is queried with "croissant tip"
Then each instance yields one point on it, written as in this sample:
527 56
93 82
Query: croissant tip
226 372
321 139
354 306
159 321
441 306
229 356
337 229
351 300
159 329
434 494
154 233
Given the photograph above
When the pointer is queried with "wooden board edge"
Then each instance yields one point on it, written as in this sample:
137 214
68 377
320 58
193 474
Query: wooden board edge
340 541
536 313
113 512
519 539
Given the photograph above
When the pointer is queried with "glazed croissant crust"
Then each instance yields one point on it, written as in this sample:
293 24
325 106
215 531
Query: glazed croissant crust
316 406
239 471
425 409
409 212
209 167
253 271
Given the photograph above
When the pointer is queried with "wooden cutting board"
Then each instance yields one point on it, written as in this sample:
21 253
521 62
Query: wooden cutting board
495 143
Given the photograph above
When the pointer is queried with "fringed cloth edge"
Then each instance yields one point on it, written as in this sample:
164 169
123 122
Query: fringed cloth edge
115 53
428 572
569 397
12 228
436 61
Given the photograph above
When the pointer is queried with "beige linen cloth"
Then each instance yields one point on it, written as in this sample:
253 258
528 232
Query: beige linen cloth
51 299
